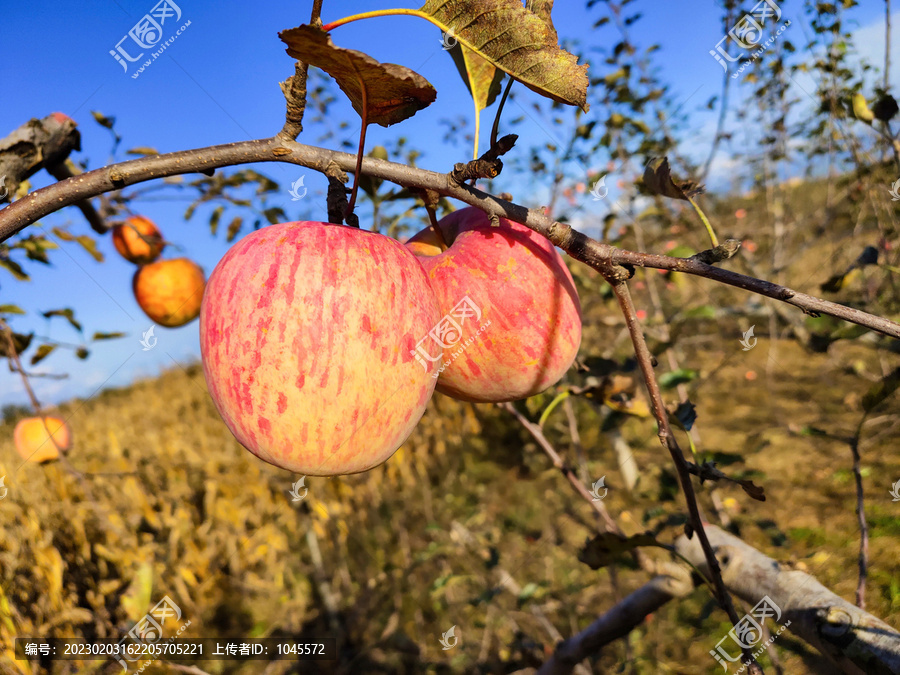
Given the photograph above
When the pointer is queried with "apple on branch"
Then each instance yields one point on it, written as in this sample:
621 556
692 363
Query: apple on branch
169 291
306 333
521 287
138 240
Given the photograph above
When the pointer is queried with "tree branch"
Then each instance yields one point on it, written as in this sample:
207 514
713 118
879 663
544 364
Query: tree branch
602 257
855 640
618 622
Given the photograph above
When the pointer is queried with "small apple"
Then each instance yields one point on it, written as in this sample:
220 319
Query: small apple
512 323
306 334
33 442
138 240
169 291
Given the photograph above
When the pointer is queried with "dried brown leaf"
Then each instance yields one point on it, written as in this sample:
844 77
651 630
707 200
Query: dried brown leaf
517 42
658 179
393 93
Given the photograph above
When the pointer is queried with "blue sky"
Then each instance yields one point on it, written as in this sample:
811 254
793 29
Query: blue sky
217 83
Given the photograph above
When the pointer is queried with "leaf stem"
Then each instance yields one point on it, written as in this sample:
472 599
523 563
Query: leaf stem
549 409
709 228
362 144
371 15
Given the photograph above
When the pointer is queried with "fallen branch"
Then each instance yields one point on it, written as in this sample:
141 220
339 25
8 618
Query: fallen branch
853 639
618 621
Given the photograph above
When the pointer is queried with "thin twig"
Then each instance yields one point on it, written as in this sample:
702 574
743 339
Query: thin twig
668 440
863 560
538 435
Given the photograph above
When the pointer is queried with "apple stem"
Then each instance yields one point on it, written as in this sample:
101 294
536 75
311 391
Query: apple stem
432 216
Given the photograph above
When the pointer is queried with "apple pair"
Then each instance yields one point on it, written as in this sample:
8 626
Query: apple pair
169 291
322 343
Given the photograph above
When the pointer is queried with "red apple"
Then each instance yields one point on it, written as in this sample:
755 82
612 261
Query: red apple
138 240
33 442
306 334
169 291
512 323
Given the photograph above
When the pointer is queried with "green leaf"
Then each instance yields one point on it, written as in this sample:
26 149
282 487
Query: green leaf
62 234
15 269
658 179
20 342
527 592
608 547
11 309
881 390
392 93
86 242
673 378
214 219
82 353
136 600
103 120
67 313
42 353
233 228
275 215
516 41
35 248
107 336
701 312
142 150
681 251
90 246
